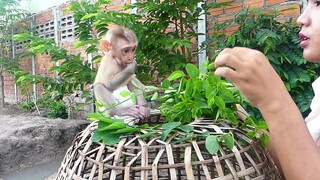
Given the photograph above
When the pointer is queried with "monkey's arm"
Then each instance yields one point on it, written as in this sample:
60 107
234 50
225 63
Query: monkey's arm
138 91
121 78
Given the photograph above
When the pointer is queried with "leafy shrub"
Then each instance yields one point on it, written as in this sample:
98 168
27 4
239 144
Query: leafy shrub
52 108
280 43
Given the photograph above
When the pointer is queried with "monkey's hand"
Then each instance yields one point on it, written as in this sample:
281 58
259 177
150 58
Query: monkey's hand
131 68
135 111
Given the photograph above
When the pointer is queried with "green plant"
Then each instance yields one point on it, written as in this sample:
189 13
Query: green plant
72 74
187 97
52 108
164 29
27 105
197 95
10 18
280 43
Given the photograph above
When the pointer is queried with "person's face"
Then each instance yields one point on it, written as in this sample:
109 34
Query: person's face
309 21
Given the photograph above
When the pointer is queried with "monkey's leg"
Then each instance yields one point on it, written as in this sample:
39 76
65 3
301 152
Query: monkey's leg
103 94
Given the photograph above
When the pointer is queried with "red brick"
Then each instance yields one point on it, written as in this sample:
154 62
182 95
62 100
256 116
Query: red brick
216 11
292 12
225 18
254 3
273 2
234 8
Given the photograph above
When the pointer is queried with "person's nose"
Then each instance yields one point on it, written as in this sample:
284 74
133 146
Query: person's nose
303 19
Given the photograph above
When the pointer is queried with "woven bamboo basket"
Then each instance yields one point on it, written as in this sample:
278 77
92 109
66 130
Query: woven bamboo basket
134 158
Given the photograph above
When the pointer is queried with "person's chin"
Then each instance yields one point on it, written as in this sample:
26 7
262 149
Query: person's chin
311 56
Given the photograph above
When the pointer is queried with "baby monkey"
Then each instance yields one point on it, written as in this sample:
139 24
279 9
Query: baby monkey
116 74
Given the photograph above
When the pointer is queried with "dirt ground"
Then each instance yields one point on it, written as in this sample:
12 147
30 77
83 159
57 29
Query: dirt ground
13 109
27 139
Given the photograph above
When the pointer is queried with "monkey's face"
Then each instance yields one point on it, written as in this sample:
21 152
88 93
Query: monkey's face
124 51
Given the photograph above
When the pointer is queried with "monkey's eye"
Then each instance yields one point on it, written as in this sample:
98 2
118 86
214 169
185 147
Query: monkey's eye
126 50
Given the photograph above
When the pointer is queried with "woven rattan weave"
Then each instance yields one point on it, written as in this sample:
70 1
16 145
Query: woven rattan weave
135 158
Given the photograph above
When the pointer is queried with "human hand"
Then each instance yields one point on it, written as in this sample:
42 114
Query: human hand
252 74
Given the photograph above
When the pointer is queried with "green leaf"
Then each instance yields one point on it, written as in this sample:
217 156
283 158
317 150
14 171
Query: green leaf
149 134
165 83
192 70
165 133
228 140
97 136
154 96
88 16
219 102
175 75
133 97
125 93
110 139
264 139
100 117
212 144
115 125
127 130
171 125
151 88
187 128
184 139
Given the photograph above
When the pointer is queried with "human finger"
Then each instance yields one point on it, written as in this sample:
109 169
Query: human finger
228 65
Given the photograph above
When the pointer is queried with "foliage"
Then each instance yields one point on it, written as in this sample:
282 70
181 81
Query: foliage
164 30
27 105
186 97
10 16
53 108
197 95
280 43
73 73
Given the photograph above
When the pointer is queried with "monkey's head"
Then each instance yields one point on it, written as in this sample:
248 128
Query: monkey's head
121 43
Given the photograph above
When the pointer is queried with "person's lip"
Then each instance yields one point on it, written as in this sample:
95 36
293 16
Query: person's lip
304 40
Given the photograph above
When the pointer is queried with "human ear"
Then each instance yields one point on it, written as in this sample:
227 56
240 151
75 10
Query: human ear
105 45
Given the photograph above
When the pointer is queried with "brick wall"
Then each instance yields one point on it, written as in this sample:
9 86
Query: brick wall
44 23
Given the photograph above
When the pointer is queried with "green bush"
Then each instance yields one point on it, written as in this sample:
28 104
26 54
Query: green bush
53 109
280 43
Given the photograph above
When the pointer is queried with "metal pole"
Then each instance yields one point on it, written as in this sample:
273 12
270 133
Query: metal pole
13 56
56 39
33 61
202 37
134 10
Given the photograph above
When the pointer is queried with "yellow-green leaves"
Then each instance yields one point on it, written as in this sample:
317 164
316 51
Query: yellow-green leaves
175 75
192 70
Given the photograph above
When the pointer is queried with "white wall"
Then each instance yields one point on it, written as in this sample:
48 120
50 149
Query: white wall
35 6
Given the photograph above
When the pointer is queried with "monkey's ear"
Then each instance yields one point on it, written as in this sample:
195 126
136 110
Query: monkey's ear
105 45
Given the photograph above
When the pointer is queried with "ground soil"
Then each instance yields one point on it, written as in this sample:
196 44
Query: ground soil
27 139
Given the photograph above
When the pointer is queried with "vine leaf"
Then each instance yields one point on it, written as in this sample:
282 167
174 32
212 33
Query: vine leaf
212 144
228 140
